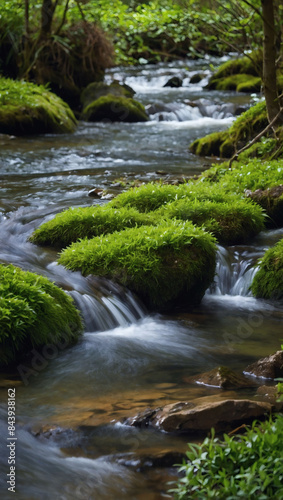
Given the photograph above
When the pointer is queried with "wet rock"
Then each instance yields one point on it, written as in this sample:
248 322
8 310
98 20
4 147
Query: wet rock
111 108
271 200
95 192
222 377
196 78
99 89
174 82
269 393
141 463
269 367
199 418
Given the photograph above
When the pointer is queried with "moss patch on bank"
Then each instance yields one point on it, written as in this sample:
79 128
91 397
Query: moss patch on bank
268 281
224 144
88 222
26 108
115 109
148 260
33 312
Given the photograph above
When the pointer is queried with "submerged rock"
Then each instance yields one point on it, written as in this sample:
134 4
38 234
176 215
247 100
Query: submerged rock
201 417
222 377
269 367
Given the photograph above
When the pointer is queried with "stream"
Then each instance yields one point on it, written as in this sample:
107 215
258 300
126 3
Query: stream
71 443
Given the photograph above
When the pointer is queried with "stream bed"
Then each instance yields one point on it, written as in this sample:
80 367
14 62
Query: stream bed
71 443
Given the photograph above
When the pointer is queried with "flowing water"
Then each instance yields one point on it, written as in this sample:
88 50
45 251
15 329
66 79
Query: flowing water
71 442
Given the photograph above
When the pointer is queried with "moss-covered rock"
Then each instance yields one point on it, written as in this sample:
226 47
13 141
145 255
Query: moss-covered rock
96 90
87 222
33 312
115 109
148 260
231 223
26 108
251 66
239 83
268 281
271 200
244 128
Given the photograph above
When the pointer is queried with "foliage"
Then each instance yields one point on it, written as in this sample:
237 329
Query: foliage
248 466
148 259
26 108
230 223
268 281
87 222
33 312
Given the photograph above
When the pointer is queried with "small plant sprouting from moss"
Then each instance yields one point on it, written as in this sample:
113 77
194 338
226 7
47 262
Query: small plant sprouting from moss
33 312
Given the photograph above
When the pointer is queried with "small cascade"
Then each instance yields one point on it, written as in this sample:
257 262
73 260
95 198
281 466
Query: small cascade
234 273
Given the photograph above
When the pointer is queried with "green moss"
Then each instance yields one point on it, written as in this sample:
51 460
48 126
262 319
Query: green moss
243 129
231 223
240 83
26 108
96 90
115 109
75 223
148 260
33 312
268 281
244 65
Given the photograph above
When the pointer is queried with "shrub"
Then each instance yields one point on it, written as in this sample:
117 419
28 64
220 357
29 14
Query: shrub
268 281
26 108
75 223
33 312
148 260
248 466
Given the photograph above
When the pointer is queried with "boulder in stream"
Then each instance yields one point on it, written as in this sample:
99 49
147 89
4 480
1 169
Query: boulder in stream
169 266
221 377
115 109
200 417
269 367
26 108
96 90
174 82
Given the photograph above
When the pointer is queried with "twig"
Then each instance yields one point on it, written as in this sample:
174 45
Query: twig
263 132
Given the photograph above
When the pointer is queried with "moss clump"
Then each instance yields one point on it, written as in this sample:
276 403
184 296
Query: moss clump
148 260
33 312
239 83
26 108
75 223
96 90
231 223
271 200
268 281
245 128
115 109
248 66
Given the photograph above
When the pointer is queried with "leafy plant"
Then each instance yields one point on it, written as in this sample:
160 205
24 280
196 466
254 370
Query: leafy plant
248 466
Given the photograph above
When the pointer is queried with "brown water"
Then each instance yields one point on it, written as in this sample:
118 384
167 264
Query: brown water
127 360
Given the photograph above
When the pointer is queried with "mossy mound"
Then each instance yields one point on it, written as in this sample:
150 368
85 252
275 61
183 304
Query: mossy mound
231 223
152 196
239 83
148 260
33 312
96 90
268 281
26 108
225 144
247 66
87 222
259 180
115 109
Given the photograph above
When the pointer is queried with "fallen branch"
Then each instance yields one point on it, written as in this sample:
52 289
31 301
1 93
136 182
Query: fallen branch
261 134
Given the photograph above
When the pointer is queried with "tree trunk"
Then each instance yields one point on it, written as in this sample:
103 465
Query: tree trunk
269 60
47 11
